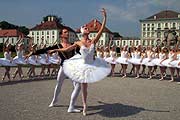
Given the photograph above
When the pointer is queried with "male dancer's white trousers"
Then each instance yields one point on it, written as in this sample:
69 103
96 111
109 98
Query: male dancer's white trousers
60 79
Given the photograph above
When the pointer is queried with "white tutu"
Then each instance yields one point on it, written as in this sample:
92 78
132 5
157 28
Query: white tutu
31 60
43 61
135 61
6 62
19 60
54 60
148 62
111 60
122 60
157 61
78 71
168 63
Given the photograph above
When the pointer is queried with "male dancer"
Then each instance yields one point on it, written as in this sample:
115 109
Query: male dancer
61 76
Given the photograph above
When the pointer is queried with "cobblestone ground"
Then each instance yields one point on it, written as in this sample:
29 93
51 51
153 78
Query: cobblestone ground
113 98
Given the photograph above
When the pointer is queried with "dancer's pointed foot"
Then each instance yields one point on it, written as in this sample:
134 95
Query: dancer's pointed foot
73 110
52 105
84 112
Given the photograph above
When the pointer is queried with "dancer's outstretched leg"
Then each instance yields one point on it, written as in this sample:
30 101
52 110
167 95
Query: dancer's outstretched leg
74 95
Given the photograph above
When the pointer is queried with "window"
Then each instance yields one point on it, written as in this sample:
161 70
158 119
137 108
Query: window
144 29
152 34
37 33
124 42
53 32
32 33
148 34
148 24
166 25
153 25
158 34
137 42
174 25
42 33
148 29
12 40
144 24
130 43
144 34
159 25
152 28
47 32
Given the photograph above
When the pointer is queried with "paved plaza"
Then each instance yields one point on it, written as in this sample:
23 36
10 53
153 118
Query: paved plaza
113 98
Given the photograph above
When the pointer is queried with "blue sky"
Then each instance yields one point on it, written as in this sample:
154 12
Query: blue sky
123 15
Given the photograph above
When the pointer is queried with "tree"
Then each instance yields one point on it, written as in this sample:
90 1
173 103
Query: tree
6 25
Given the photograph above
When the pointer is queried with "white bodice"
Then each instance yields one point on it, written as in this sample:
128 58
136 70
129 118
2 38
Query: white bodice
20 53
7 55
112 53
162 56
171 56
137 55
87 54
106 54
99 54
124 54
55 55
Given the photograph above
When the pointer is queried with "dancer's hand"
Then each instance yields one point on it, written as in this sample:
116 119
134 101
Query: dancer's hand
103 12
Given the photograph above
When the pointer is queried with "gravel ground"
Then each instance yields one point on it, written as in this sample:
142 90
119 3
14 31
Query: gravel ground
113 98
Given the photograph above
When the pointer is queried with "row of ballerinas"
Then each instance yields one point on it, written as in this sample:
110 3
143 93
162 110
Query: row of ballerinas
144 57
46 61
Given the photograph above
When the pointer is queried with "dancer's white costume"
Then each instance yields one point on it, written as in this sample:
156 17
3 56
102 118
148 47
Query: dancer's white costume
6 61
112 58
19 59
168 62
99 54
135 58
157 61
124 58
55 59
148 61
106 55
84 68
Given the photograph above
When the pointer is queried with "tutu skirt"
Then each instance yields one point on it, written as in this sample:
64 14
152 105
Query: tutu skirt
78 71
20 61
135 61
168 63
111 60
6 62
122 60
54 60
31 60
148 62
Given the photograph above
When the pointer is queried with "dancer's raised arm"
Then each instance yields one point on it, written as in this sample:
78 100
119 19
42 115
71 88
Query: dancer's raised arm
95 40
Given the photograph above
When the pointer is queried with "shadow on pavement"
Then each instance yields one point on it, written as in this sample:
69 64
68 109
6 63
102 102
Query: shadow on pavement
117 110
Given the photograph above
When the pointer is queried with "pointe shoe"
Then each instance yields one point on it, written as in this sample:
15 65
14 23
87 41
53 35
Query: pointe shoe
84 113
161 79
73 110
137 77
52 105
149 78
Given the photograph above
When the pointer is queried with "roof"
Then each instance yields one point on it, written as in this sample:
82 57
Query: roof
10 33
94 26
166 14
48 25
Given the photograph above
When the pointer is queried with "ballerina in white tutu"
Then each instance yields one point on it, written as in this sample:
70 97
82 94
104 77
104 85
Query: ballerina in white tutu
172 56
7 61
32 61
99 52
123 60
106 53
84 68
19 59
112 58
